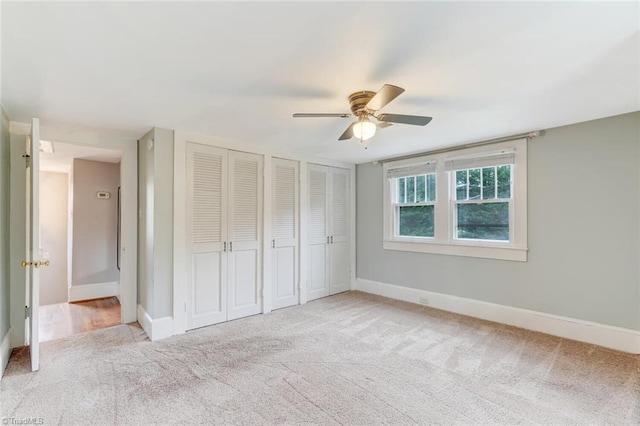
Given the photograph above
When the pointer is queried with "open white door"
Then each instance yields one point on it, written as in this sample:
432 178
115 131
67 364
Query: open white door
32 259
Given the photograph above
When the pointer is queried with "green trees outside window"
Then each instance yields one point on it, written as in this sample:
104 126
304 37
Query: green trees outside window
416 196
488 218
481 196
415 221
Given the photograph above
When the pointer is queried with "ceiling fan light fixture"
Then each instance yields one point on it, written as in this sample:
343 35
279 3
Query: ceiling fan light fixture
364 129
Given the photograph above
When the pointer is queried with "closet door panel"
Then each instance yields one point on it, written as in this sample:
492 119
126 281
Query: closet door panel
339 216
318 272
285 224
207 293
245 271
285 277
339 278
318 284
339 267
206 233
245 234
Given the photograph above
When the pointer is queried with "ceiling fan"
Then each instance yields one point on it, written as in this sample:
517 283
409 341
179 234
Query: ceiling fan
365 104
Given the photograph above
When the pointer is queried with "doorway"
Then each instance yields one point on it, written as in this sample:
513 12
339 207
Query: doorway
79 236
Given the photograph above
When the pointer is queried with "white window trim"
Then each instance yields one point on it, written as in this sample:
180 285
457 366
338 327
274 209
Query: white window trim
444 241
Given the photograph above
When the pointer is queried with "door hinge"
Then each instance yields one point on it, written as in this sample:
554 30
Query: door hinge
27 159
27 312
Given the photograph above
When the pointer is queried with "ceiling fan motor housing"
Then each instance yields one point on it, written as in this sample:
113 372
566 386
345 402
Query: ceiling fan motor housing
359 101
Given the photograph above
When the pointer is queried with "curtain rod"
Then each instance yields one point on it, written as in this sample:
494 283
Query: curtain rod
528 135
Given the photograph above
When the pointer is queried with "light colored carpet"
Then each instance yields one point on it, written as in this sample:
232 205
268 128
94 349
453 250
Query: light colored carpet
353 359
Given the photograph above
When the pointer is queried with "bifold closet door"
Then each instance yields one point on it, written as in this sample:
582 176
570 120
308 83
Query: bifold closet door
329 254
339 254
245 234
284 245
318 283
206 235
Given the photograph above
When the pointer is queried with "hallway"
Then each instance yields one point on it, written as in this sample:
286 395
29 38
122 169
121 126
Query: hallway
65 319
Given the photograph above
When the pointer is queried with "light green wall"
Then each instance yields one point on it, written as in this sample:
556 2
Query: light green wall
155 227
5 173
163 223
145 223
583 231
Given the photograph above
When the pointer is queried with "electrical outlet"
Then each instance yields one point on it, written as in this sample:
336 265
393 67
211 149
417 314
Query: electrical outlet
423 301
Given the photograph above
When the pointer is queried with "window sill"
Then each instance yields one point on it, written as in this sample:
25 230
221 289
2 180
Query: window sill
486 252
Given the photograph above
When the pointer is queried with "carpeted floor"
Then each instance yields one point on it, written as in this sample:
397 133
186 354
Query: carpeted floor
353 359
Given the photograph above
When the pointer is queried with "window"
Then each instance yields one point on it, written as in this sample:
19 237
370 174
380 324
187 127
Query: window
414 205
469 202
482 199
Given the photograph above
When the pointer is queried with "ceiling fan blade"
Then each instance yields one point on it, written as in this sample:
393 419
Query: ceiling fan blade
383 124
321 115
385 95
348 134
416 120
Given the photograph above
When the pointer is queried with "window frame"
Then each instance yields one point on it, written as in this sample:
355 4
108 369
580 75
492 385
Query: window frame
395 206
455 202
445 239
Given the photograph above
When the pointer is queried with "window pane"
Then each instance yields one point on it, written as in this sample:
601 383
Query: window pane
401 190
489 221
415 221
461 185
431 187
488 183
411 189
504 181
474 184
420 189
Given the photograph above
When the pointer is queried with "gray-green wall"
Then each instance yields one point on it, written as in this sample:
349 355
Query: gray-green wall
155 225
583 231
5 174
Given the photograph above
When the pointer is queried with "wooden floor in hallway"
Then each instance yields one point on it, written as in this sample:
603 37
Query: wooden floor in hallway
65 319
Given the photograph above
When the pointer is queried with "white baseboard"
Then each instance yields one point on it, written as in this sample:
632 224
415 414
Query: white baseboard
156 329
621 339
5 351
93 291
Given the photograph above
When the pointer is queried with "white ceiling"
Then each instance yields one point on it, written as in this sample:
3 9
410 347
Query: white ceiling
64 153
239 70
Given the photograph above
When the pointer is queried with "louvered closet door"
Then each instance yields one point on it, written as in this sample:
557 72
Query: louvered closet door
206 233
318 283
285 190
245 234
339 255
